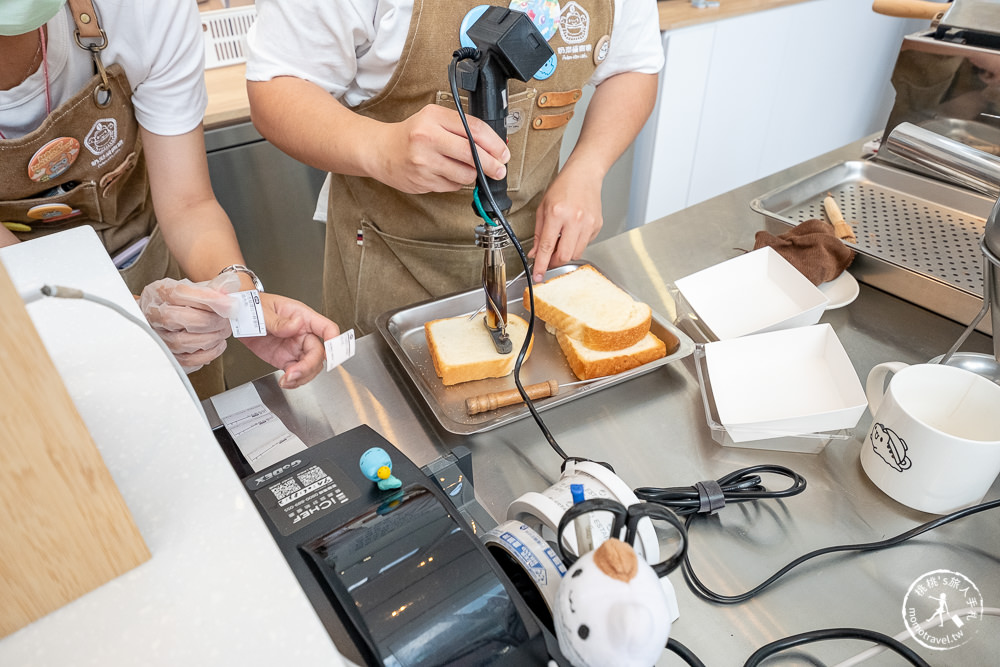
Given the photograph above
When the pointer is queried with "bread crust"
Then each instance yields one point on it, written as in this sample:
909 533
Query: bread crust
590 334
603 364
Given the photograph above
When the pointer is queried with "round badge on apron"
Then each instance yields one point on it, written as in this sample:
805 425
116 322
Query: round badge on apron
601 50
48 211
543 13
467 22
548 69
52 159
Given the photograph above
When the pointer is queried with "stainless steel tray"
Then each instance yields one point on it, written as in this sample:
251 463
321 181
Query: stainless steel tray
918 238
403 330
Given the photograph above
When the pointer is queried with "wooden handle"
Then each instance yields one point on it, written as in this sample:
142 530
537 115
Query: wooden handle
840 226
910 9
498 399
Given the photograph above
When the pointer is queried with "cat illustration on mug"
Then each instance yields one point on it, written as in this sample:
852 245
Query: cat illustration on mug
890 447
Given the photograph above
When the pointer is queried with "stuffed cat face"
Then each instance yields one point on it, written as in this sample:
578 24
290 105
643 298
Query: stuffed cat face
611 610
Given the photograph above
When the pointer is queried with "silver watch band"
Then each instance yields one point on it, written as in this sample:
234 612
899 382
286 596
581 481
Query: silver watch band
239 268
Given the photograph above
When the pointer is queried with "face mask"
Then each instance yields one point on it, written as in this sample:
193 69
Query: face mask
20 16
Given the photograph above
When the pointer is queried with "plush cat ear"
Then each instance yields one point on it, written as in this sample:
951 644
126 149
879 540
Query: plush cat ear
617 560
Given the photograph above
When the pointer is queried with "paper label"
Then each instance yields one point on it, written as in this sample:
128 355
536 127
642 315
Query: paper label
261 436
339 349
249 318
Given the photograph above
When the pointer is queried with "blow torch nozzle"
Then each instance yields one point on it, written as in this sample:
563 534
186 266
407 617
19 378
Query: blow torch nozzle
493 239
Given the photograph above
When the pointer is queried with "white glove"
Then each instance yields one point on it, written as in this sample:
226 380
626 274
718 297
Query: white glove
191 318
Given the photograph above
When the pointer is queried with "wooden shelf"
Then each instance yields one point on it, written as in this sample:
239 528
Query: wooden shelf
680 14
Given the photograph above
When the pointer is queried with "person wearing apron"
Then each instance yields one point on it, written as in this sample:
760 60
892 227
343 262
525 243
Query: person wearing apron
74 155
375 110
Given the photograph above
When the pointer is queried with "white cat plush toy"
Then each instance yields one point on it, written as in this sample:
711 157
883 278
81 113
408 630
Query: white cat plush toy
612 609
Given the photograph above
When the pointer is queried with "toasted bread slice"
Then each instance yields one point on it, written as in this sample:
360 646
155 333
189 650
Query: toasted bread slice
588 363
585 305
462 349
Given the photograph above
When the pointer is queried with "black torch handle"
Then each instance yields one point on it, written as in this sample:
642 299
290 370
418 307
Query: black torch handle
488 102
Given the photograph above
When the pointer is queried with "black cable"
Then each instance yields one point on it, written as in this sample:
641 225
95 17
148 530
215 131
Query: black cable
740 486
834 633
466 53
684 653
702 591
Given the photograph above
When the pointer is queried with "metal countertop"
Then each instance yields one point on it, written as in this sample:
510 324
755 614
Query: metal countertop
652 429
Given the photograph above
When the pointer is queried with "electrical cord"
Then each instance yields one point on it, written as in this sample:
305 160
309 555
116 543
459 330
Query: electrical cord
482 187
704 592
74 293
813 636
684 653
907 634
743 485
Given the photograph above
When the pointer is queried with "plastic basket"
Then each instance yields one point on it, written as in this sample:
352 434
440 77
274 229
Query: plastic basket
225 33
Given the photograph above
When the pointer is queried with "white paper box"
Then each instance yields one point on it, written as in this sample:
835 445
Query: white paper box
753 293
784 383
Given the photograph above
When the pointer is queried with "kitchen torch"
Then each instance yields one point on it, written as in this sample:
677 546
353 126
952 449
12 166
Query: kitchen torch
508 46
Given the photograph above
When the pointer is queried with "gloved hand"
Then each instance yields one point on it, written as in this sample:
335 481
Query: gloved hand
191 318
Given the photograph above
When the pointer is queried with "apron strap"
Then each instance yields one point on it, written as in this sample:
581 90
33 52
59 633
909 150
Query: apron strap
87 25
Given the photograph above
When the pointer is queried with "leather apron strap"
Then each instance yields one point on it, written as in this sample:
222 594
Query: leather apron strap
386 249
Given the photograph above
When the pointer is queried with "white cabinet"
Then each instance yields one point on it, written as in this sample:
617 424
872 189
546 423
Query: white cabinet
745 97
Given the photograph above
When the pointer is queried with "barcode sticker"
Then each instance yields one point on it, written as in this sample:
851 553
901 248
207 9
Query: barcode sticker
249 318
339 349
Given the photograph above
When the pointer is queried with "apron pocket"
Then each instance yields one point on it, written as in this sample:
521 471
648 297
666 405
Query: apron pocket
396 272
153 263
520 108
44 215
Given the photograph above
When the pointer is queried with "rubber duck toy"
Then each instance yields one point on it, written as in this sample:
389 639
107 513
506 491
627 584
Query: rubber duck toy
377 466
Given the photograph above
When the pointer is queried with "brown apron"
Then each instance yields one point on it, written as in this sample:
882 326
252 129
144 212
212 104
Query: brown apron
84 166
89 149
386 249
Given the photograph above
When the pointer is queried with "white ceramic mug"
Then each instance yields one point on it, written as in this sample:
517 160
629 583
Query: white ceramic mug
934 443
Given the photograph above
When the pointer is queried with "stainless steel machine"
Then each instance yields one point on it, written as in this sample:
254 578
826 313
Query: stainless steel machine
947 78
924 206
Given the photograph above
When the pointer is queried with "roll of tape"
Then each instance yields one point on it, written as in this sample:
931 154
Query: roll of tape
539 561
542 511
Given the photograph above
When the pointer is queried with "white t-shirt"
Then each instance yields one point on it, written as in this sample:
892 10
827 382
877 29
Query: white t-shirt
158 42
350 48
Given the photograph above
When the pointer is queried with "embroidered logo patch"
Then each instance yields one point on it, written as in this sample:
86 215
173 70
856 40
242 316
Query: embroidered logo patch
103 142
574 23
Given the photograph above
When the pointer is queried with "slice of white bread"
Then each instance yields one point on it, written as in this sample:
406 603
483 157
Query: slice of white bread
588 363
585 305
462 349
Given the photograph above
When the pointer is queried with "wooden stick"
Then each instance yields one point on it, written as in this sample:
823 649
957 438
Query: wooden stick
840 226
498 399
910 9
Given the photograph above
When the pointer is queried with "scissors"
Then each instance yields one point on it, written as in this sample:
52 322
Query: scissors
627 519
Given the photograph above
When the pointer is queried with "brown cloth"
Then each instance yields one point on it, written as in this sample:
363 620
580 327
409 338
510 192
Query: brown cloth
812 248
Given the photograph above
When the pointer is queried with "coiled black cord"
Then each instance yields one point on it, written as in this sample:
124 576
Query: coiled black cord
743 485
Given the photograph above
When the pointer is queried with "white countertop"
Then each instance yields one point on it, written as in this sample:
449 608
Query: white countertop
217 590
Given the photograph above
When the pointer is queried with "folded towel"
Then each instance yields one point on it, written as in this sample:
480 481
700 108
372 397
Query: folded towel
812 248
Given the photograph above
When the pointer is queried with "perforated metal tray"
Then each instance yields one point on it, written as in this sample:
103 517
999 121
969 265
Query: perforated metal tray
918 238
403 330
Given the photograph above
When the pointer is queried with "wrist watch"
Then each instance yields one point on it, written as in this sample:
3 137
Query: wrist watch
239 268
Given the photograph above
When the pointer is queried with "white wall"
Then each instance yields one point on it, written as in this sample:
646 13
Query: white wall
742 98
